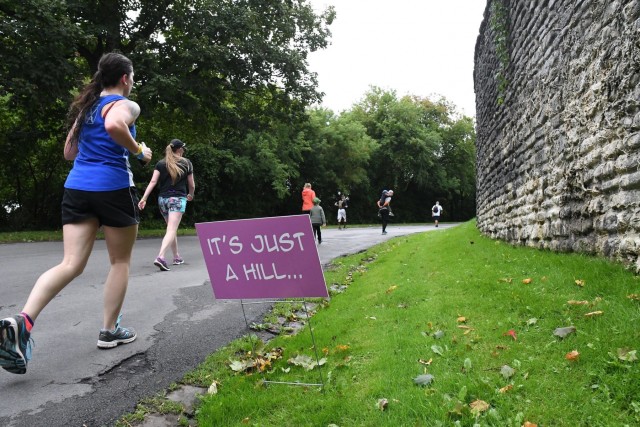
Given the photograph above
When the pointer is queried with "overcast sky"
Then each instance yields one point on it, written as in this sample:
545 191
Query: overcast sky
415 47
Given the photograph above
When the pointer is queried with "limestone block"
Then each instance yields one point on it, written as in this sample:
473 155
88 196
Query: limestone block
610 223
630 181
635 124
631 11
558 229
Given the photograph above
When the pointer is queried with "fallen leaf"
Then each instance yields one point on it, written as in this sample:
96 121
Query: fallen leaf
527 281
458 410
382 404
391 289
213 388
580 283
506 388
263 364
242 365
478 406
634 297
425 362
627 355
425 379
572 356
594 313
325 350
437 349
342 347
438 334
507 372
245 420
306 362
528 424
511 333
461 319
563 332
532 321
574 302
506 280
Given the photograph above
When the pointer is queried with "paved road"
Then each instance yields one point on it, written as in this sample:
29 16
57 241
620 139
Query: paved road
70 382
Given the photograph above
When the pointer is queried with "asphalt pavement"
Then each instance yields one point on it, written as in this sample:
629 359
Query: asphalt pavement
70 382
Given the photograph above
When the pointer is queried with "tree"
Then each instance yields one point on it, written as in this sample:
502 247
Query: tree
335 156
424 152
215 70
458 162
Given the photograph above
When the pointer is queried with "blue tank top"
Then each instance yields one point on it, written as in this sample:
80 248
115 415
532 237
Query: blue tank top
101 164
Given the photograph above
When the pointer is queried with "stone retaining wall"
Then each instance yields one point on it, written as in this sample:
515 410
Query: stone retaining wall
559 160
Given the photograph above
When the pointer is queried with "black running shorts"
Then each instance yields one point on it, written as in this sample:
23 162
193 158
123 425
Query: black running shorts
117 208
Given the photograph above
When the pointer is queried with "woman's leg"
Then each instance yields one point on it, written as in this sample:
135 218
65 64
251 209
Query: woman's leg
174 246
78 242
174 243
385 220
120 242
171 235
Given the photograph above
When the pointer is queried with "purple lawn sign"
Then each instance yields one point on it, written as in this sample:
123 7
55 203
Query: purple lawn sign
272 257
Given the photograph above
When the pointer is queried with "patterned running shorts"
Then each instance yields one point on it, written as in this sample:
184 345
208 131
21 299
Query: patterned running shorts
171 204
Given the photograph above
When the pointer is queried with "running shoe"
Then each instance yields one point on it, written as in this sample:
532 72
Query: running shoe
162 264
15 345
110 339
178 261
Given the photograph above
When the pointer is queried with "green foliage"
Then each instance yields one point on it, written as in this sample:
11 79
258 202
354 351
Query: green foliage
335 156
424 151
207 71
499 24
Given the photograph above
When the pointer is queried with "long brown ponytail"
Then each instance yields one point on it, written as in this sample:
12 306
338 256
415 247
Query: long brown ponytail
172 160
111 67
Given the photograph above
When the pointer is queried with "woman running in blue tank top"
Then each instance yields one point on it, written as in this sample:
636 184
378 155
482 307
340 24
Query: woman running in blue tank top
99 192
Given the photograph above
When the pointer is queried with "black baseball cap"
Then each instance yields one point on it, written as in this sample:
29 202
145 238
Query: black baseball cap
176 143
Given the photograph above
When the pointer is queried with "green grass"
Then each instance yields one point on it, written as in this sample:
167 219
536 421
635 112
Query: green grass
56 235
147 232
400 294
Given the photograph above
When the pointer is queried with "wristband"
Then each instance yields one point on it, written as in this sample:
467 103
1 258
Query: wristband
140 153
